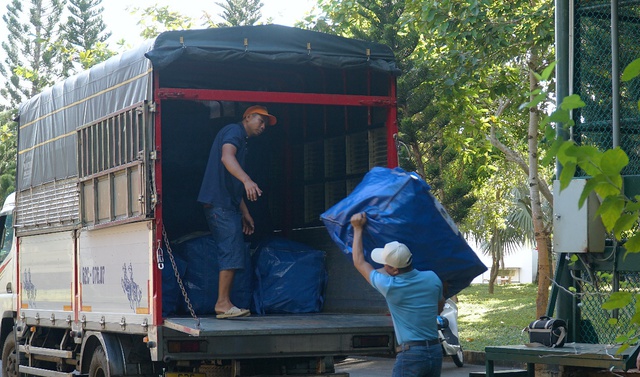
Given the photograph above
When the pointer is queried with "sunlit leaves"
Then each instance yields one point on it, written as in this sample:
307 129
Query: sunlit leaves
631 71
618 300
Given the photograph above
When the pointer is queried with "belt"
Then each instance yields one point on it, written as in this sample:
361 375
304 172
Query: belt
407 345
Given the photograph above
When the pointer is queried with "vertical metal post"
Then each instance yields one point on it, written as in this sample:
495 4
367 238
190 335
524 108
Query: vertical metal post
563 9
615 76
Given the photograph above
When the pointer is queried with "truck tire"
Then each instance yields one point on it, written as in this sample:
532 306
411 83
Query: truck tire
9 357
99 365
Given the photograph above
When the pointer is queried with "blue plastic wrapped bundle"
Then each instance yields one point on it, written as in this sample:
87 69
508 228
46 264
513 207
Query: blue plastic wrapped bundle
290 278
171 293
400 207
201 277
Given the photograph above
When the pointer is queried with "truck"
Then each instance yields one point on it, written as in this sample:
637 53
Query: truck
110 162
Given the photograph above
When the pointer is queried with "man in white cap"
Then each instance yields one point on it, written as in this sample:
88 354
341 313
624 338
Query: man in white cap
222 192
414 298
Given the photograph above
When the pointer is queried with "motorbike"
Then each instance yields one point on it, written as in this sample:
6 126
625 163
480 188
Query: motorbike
448 332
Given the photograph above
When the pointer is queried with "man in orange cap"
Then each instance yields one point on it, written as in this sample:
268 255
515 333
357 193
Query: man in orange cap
224 185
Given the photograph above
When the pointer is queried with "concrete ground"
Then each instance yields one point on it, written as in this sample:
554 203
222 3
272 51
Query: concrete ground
381 366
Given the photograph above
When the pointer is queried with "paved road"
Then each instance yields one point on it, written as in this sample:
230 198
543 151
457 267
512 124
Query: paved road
381 367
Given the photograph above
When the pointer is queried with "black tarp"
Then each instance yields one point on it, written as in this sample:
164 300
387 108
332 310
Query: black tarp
271 43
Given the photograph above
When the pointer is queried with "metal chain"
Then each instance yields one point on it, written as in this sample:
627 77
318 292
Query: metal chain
175 272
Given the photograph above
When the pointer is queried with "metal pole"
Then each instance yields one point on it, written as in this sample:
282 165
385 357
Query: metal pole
615 76
563 9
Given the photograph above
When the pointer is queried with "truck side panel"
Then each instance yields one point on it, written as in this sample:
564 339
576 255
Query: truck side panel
42 257
114 275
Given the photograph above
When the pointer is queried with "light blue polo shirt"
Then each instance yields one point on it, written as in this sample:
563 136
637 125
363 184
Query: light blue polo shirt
412 298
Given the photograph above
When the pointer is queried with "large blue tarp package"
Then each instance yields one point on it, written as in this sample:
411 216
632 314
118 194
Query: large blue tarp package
400 207
171 293
290 278
201 275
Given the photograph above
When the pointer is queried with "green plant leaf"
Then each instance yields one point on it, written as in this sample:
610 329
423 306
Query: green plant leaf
613 161
623 347
633 244
572 102
586 191
610 210
617 300
624 223
548 71
631 71
567 173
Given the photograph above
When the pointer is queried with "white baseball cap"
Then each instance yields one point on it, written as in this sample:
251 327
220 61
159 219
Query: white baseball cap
394 254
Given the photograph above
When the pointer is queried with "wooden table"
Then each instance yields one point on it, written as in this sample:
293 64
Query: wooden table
600 356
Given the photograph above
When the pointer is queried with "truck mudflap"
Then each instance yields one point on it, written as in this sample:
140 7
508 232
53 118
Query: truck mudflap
283 335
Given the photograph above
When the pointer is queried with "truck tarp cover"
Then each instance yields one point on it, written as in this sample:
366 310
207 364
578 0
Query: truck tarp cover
271 43
400 207
47 142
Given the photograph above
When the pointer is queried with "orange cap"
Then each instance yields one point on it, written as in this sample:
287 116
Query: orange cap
257 109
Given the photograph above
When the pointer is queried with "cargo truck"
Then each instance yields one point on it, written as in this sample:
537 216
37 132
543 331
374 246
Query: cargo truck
110 162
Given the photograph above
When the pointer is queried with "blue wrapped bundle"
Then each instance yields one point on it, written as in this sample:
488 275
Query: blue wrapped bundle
290 278
171 293
201 277
400 207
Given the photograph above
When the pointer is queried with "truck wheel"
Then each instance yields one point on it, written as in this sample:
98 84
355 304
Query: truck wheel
9 358
98 366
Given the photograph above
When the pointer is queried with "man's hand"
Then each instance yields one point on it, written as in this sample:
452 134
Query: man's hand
252 190
247 224
358 220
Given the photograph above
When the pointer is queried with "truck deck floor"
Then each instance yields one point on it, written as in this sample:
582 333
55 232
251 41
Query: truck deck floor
281 324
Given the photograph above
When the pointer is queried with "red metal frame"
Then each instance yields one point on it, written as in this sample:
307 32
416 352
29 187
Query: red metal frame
276 97
161 94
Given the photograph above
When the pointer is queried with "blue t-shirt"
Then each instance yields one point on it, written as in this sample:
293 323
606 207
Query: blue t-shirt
219 188
412 298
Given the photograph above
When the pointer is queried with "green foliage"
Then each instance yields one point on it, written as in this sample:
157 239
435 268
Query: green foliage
84 35
154 20
30 62
8 153
240 12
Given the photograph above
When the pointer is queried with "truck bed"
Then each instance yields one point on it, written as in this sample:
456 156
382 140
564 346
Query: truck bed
281 324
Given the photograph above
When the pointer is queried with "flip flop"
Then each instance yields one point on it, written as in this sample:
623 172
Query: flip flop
234 312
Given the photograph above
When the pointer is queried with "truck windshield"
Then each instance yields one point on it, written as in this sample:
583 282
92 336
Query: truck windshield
6 229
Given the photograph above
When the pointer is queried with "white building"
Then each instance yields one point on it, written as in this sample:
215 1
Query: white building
519 267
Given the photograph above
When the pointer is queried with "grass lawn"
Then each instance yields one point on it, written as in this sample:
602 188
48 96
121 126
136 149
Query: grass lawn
497 319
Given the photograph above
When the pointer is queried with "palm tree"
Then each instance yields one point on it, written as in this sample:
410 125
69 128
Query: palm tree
504 235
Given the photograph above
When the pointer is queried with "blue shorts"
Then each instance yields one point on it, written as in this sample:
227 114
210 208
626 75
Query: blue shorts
226 227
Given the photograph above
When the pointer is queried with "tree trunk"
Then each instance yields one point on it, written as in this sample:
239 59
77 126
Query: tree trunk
493 276
540 232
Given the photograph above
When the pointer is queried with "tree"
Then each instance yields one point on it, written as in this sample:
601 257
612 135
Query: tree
494 50
239 12
154 20
8 152
84 35
30 59
432 149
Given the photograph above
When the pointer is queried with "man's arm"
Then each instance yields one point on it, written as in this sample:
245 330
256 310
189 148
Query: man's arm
357 221
231 163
